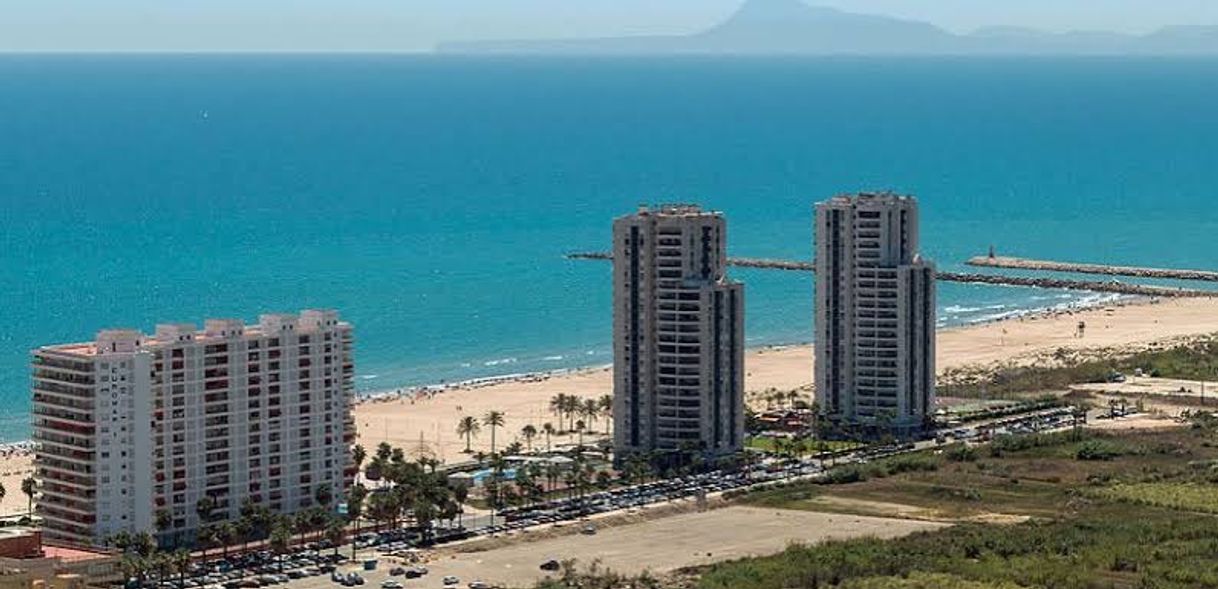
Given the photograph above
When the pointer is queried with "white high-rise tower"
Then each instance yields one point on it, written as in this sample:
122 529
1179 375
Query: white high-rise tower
875 313
678 334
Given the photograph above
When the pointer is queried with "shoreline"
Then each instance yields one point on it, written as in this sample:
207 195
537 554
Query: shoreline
426 423
430 390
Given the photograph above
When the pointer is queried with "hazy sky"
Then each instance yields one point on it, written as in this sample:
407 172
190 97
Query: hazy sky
415 25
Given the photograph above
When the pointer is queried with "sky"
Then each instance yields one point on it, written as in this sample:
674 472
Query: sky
417 25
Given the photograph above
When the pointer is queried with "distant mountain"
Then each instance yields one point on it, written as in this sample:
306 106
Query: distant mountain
776 27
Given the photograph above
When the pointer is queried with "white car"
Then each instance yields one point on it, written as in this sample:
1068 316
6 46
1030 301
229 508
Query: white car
450 581
391 584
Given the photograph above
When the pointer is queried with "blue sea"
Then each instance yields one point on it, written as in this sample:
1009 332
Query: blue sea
431 199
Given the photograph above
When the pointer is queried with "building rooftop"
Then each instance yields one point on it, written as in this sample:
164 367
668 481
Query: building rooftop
675 209
73 554
216 330
871 196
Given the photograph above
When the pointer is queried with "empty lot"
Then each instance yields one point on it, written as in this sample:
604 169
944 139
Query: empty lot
668 543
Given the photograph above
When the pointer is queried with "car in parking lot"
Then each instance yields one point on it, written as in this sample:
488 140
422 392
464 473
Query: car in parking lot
450 581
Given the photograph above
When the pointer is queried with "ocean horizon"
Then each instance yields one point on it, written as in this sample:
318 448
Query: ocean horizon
431 199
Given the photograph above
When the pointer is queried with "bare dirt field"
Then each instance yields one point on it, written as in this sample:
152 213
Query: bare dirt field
671 543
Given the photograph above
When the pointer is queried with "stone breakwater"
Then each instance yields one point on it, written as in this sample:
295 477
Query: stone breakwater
1084 268
1110 286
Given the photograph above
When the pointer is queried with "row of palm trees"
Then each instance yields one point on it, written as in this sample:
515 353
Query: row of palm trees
570 407
565 407
774 397
469 427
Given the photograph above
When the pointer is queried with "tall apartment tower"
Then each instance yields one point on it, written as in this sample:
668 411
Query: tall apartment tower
875 313
678 334
130 424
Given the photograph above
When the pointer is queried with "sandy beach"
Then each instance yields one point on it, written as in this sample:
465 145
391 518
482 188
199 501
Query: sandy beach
433 418
14 466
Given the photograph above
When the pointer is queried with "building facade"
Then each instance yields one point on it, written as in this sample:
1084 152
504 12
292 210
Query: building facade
678 334
875 313
130 424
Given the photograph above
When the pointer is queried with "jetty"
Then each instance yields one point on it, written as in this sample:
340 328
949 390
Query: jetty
992 261
1109 286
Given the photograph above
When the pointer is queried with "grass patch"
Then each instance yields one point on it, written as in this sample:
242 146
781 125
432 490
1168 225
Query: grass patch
1190 496
920 580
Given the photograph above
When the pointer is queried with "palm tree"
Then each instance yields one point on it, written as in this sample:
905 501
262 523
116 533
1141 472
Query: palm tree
358 454
226 534
164 520
204 508
355 508
335 531
376 468
529 432
468 428
324 495
29 486
548 429
180 560
558 405
579 427
161 562
605 402
204 539
281 539
590 410
245 530
384 451
460 494
571 406
493 419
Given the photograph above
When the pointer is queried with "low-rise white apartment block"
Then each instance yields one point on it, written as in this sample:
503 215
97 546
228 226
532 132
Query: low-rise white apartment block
133 424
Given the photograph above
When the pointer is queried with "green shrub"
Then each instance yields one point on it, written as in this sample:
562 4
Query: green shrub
1097 450
909 463
961 453
842 475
